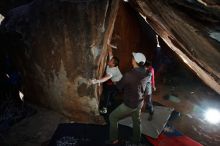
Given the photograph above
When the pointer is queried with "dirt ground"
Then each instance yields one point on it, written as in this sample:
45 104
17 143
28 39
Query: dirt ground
35 130
192 102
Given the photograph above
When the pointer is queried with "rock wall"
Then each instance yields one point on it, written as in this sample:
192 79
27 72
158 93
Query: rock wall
131 34
64 40
191 30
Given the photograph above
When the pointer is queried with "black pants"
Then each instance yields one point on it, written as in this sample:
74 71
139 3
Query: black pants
148 104
109 91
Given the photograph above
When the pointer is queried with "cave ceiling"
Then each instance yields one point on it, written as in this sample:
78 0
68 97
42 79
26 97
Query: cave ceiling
191 28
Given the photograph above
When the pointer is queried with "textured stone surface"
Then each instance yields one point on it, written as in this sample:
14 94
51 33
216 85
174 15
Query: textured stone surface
64 40
131 34
191 30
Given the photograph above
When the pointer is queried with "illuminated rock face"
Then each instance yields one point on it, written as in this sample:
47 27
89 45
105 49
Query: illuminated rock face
64 40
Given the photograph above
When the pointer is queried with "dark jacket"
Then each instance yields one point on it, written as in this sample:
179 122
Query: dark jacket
133 84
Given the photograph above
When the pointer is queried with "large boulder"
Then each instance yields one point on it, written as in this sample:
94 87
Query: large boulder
63 42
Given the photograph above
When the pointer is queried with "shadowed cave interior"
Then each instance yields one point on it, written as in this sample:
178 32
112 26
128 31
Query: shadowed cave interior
49 62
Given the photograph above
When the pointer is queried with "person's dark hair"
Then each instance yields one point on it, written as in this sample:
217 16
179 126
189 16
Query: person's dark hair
141 64
148 63
116 61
